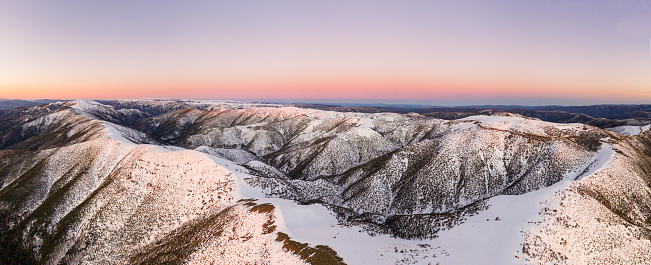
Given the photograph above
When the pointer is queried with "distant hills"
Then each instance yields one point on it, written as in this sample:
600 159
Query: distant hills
603 116
7 104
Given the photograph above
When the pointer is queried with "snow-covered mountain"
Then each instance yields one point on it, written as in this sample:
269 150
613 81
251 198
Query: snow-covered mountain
202 182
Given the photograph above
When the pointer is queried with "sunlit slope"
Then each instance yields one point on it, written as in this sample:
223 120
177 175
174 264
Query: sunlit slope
213 182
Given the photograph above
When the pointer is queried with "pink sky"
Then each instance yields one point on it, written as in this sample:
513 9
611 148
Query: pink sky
479 51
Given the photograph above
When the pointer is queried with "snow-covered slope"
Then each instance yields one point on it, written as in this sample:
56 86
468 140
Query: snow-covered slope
98 200
203 182
236 155
55 128
602 219
95 110
303 143
104 201
497 232
629 129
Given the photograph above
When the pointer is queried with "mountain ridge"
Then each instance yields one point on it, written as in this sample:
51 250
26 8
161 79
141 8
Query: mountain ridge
408 176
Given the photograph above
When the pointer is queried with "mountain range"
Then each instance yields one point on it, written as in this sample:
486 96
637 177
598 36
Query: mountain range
223 182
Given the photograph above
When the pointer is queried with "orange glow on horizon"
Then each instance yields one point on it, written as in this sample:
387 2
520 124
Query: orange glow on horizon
324 88
529 53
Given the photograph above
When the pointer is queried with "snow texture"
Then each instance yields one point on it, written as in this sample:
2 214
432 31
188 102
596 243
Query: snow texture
224 182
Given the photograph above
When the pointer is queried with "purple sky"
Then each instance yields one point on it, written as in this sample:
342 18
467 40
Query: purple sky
474 52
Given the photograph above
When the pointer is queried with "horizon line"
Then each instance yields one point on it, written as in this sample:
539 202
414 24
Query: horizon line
344 102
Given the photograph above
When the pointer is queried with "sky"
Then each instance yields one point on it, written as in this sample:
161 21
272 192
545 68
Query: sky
427 52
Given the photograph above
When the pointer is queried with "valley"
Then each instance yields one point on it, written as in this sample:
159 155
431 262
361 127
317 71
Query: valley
225 182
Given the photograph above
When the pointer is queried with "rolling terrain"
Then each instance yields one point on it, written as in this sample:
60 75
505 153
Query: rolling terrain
200 182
